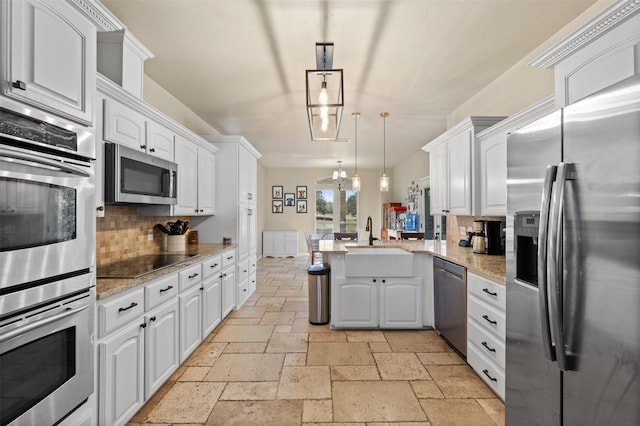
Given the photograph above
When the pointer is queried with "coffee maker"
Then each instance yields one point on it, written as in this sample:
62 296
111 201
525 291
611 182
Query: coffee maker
494 231
478 240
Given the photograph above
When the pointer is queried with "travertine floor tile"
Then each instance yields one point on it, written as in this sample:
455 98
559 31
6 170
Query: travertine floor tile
354 372
282 329
416 341
270 301
338 353
278 318
205 355
243 321
295 306
333 336
241 333
455 412
400 366
317 411
187 402
365 336
194 374
243 413
248 312
295 359
426 389
302 325
459 381
440 358
246 368
305 383
246 391
379 347
375 401
494 408
245 347
288 342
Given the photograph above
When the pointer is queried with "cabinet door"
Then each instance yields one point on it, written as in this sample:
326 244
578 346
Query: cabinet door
211 305
123 125
253 232
99 163
291 244
356 303
186 155
243 231
50 59
400 303
247 176
493 169
206 182
159 141
161 346
438 189
228 291
459 173
121 381
190 321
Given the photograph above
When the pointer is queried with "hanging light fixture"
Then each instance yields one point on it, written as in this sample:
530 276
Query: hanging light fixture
324 96
384 179
355 180
339 176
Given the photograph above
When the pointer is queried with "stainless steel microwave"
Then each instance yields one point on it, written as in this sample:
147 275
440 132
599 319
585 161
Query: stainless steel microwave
135 177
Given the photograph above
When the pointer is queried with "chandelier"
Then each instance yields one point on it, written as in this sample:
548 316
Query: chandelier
339 177
324 87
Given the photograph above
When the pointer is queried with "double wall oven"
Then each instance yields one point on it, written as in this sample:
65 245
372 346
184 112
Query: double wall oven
47 264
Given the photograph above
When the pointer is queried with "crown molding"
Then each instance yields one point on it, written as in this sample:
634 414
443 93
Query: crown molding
464 125
238 139
112 90
599 25
102 17
521 118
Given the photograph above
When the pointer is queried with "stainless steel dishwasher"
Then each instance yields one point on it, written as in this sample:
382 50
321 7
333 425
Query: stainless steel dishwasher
450 285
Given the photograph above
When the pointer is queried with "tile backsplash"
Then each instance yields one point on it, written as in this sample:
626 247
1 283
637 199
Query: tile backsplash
122 234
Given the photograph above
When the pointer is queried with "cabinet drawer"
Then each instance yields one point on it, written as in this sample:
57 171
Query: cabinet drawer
252 282
487 316
190 276
228 258
487 291
487 370
486 343
243 271
120 311
211 266
160 291
253 264
243 292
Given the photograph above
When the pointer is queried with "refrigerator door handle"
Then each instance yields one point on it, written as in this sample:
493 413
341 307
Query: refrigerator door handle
556 267
543 234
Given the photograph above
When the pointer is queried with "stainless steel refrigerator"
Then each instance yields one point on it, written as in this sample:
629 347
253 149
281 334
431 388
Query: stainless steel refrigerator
573 264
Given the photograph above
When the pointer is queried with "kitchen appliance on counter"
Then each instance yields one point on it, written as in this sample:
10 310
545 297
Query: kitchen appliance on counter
573 232
450 290
478 240
135 177
141 265
494 231
47 252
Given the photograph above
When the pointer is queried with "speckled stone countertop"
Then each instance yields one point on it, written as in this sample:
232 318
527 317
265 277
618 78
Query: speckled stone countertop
491 267
106 287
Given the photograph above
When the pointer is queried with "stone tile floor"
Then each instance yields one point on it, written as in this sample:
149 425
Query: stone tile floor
266 365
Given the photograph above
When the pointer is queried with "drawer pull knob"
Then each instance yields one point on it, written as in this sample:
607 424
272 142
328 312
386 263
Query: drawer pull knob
489 292
230 257
194 275
100 208
489 348
153 318
152 150
143 325
489 320
214 265
169 287
132 305
19 85
143 147
486 373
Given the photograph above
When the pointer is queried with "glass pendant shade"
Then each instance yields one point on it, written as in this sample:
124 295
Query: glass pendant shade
384 179
355 181
384 183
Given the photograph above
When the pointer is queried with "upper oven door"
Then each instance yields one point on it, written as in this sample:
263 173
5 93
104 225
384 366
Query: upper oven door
47 225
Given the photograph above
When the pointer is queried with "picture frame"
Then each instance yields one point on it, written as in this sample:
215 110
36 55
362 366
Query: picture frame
276 206
289 199
276 192
301 206
301 192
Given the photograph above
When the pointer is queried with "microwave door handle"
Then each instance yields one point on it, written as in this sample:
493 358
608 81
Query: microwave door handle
543 235
42 161
40 323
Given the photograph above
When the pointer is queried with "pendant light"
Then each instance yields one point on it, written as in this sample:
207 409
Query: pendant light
384 179
356 179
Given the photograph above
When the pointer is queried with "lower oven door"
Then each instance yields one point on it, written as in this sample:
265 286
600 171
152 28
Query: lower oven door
46 360
47 216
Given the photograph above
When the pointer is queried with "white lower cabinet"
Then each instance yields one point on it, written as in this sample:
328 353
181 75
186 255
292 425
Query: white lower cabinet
190 321
377 302
161 345
486 330
228 290
211 304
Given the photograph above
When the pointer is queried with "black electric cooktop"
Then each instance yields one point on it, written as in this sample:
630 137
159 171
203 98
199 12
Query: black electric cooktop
141 265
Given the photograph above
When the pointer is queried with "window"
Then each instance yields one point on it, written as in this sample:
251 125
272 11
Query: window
336 211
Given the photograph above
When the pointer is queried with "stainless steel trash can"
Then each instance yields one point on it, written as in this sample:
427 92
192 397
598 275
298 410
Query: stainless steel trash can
319 293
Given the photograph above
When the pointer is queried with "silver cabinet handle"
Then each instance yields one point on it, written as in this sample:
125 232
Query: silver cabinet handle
38 161
543 235
40 323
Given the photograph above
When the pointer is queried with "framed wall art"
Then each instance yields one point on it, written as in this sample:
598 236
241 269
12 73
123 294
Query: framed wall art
301 193
289 199
276 206
301 206
276 192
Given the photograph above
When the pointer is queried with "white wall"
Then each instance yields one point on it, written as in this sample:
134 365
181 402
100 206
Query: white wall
406 172
369 199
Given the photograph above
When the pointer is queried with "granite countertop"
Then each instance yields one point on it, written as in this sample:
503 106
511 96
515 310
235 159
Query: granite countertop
488 266
106 287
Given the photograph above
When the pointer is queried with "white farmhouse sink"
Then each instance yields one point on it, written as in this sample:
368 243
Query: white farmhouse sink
378 262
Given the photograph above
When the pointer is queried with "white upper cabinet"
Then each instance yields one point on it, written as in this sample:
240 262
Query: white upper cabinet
247 178
37 69
159 141
186 155
602 52
454 159
206 182
123 125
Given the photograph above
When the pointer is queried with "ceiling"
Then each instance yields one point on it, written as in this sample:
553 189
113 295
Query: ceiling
239 64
